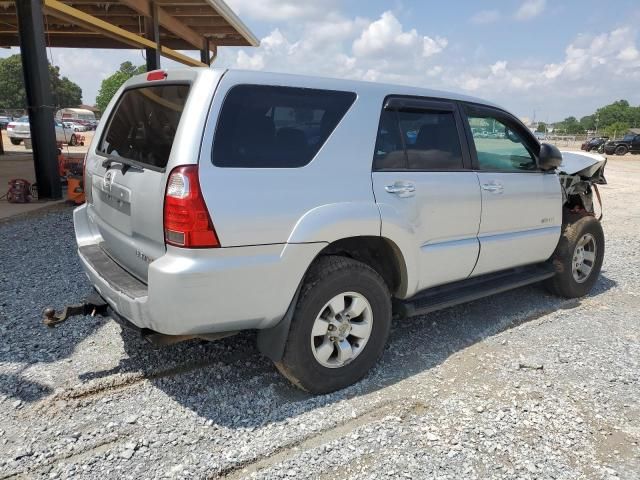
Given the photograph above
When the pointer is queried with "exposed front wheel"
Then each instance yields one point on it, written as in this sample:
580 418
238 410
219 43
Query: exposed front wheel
340 325
578 258
621 150
15 141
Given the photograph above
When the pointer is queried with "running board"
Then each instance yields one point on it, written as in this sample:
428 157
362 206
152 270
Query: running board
445 296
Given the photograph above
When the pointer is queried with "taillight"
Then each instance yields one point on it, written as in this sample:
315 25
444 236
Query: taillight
186 220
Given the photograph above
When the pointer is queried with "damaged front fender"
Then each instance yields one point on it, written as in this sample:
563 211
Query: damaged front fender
579 174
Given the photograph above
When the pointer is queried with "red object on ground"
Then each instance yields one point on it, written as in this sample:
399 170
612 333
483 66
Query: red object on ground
19 191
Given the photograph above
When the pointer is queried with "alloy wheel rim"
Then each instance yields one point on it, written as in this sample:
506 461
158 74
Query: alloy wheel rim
584 258
341 330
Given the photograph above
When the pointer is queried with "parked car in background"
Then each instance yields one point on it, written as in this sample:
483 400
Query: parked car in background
20 130
5 121
311 209
75 126
593 144
629 143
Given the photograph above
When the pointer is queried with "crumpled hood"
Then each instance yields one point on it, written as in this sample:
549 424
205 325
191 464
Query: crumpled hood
582 163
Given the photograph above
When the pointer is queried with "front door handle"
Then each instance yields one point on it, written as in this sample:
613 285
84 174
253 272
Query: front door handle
401 189
493 187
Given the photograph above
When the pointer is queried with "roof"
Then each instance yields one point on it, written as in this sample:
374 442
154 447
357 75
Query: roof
356 85
183 23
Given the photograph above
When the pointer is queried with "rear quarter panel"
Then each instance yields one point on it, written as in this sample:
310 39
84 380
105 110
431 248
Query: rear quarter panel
328 199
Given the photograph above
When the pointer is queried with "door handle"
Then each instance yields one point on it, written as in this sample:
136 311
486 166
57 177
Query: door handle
493 187
401 189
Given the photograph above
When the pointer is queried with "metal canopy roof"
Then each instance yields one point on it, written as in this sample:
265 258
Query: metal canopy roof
183 24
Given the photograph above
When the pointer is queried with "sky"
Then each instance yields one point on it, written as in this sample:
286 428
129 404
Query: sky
547 59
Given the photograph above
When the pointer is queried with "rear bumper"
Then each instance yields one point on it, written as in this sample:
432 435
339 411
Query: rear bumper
192 292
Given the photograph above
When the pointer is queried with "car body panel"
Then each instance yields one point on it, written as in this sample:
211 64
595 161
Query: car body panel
520 224
441 223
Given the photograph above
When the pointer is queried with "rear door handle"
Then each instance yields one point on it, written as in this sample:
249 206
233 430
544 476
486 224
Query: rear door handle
401 189
493 187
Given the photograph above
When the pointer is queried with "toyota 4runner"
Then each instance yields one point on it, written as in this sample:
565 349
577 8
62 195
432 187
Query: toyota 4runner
313 210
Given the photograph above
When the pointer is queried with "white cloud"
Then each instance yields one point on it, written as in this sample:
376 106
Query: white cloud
485 17
432 46
378 50
530 9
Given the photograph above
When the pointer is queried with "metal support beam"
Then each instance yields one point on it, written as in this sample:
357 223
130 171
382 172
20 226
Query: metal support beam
152 29
204 52
74 16
40 104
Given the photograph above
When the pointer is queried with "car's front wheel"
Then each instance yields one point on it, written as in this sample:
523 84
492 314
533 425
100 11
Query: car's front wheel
340 325
621 150
15 141
578 258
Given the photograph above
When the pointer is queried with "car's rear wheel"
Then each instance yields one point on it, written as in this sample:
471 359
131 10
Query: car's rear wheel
578 258
15 141
621 150
340 325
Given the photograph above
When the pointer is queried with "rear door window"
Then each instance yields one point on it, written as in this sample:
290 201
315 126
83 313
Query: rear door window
276 127
421 139
143 124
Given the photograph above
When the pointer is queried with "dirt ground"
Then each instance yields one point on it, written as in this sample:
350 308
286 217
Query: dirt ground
520 385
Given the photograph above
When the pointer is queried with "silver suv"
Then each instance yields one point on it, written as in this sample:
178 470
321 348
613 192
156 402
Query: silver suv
314 209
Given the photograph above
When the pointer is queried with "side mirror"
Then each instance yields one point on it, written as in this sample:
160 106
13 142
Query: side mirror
549 158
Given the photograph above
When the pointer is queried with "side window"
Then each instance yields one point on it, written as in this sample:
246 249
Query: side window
276 127
417 140
498 146
431 140
389 152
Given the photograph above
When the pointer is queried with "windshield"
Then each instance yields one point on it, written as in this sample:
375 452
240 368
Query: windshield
144 123
628 137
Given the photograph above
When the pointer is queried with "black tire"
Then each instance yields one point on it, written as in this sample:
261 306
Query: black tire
73 141
564 283
621 150
16 141
327 277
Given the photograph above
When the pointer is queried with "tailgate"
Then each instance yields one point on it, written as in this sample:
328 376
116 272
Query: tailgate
128 170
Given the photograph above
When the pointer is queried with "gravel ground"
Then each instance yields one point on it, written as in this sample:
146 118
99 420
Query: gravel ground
520 385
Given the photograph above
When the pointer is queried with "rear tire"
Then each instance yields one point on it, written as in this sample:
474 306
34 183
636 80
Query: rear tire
16 141
312 361
621 150
577 258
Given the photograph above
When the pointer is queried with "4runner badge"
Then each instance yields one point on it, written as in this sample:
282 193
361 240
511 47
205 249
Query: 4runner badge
108 180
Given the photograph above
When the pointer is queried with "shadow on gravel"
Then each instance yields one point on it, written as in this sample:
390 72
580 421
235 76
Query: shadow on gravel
230 384
19 388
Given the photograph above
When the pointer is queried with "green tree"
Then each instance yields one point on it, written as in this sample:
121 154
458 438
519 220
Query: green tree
110 85
570 125
542 127
617 129
12 91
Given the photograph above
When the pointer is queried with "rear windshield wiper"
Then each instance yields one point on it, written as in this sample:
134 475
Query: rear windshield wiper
125 165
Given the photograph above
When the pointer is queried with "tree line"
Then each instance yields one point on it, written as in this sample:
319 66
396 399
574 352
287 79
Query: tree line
12 92
611 120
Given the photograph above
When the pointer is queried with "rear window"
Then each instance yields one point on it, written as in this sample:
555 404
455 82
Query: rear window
144 123
276 127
